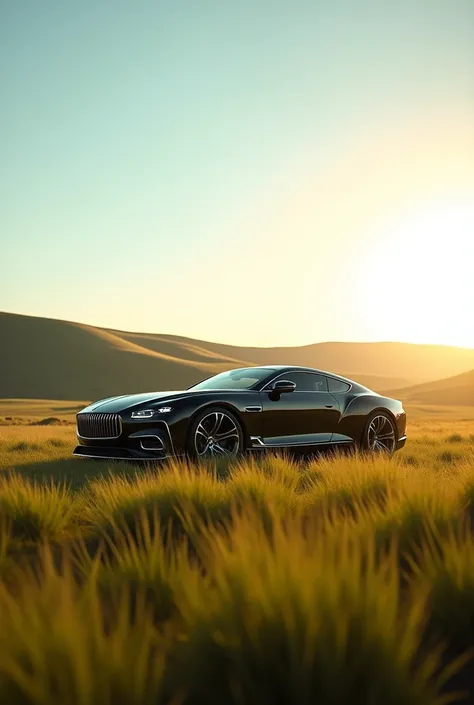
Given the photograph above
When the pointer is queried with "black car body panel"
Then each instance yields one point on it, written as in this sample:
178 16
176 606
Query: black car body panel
302 419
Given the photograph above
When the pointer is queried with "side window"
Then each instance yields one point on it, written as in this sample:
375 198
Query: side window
337 385
319 383
306 381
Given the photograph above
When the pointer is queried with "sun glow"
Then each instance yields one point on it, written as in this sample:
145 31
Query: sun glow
419 283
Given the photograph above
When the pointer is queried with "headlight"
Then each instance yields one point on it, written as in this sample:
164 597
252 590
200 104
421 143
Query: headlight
148 413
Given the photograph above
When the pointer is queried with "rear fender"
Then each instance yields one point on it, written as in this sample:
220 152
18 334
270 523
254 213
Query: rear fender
354 417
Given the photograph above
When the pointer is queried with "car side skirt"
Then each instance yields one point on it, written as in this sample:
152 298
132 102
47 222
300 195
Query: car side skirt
257 442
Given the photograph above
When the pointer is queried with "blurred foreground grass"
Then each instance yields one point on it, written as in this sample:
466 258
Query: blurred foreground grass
342 580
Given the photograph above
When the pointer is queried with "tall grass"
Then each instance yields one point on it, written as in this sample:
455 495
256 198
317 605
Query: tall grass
36 511
295 617
59 644
335 580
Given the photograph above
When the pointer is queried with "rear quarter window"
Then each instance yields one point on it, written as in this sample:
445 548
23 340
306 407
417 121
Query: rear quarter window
337 385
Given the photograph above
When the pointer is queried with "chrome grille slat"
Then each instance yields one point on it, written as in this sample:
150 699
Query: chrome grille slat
99 425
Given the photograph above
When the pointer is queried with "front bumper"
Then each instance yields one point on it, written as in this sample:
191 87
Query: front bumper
115 453
137 441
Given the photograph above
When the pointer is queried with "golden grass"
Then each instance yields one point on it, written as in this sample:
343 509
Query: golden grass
338 580
34 445
22 411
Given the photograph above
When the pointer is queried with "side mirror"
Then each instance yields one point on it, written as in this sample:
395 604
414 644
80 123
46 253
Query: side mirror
283 386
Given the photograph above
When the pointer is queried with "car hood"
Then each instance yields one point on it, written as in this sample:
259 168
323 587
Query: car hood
127 401
115 405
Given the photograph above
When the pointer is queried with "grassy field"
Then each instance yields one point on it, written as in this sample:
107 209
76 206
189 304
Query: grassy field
31 411
339 580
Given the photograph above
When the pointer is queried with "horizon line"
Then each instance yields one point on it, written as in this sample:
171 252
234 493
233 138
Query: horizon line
235 345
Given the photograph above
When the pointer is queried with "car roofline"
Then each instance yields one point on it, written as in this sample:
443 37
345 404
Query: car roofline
279 369
302 368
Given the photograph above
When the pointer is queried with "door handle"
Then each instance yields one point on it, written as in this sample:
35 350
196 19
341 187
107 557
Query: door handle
329 406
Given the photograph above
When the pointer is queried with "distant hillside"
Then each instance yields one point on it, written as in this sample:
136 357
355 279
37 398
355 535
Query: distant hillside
453 391
43 358
406 363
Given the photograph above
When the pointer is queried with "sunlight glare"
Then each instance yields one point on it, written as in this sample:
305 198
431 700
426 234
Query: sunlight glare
420 278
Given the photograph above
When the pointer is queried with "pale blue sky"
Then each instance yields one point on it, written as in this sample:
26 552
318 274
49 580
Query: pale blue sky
210 168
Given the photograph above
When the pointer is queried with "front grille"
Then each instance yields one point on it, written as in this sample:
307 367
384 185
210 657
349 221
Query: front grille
99 425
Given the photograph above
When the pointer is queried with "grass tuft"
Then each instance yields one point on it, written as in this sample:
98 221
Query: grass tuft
59 644
36 511
24 446
175 494
455 438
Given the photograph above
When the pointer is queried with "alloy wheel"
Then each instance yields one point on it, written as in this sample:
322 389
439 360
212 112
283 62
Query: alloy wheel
381 435
216 435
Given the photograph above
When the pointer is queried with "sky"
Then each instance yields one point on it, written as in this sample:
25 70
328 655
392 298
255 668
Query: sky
252 172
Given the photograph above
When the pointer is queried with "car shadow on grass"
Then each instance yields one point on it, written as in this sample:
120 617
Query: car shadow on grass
77 472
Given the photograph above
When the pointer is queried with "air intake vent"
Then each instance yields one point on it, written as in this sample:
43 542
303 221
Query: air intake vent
99 425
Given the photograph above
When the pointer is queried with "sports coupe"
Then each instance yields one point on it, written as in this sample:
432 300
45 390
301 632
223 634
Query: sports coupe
248 409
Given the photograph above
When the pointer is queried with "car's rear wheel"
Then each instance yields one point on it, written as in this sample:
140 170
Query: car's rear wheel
380 434
215 433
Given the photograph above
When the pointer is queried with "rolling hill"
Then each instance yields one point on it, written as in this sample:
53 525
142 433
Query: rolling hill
453 391
43 358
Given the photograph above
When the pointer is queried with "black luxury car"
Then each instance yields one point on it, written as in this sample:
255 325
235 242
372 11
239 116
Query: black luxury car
253 408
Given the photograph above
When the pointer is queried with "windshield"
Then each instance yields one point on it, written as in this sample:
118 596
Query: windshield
235 379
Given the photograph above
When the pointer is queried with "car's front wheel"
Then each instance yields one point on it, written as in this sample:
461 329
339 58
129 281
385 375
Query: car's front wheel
215 433
380 435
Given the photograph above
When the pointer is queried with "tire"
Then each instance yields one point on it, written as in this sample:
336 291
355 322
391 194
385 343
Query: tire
380 434
215 433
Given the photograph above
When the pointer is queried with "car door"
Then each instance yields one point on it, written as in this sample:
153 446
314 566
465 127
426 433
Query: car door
306 416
